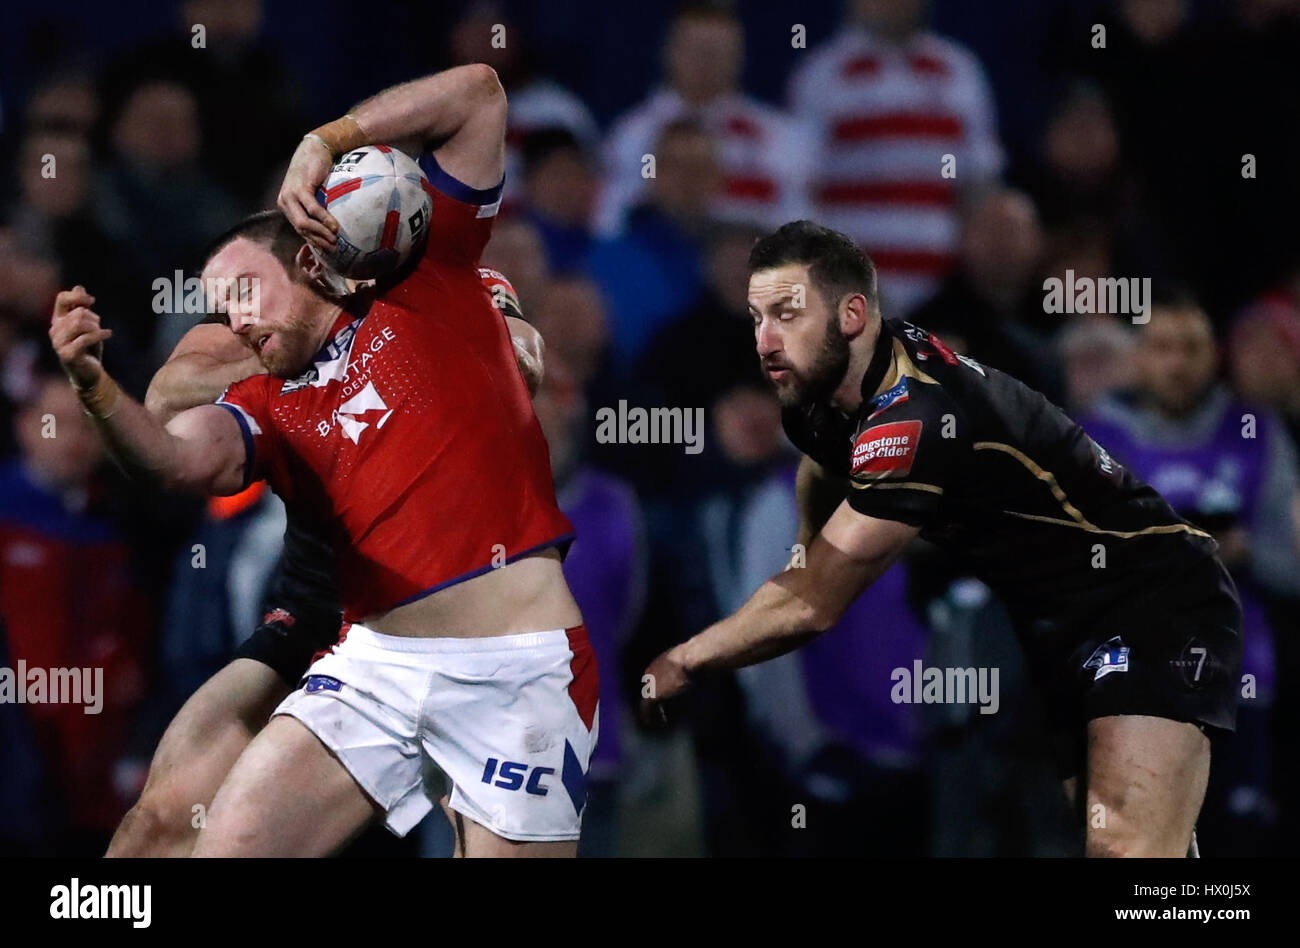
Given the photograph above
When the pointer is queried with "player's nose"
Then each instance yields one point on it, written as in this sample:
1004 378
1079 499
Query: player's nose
240 321
767 340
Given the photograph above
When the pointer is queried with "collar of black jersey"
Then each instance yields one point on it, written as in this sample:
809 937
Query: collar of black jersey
881 357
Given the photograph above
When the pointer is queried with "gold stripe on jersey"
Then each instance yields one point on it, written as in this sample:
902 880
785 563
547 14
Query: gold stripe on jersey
1078 520
910 485
903 366
1121 534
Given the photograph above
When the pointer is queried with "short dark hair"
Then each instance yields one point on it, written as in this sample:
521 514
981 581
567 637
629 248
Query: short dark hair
271 229
836 265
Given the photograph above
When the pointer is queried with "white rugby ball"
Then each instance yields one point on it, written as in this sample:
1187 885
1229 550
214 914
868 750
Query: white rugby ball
381 199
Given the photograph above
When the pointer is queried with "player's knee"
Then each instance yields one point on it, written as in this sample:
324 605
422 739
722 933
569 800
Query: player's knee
158 825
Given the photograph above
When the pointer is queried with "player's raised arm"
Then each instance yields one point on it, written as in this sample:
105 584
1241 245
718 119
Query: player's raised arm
200 449
461 112
792 607
207 360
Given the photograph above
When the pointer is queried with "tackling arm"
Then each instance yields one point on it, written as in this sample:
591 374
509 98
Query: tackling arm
793 607
207 360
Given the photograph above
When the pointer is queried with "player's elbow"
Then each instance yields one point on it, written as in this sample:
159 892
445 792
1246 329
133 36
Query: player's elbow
818 618
486 84
158 401
177 479
805 612
529 348
825 604
808 617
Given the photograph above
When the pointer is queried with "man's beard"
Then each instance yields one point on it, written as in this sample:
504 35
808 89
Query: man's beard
282 361
290 358
818 383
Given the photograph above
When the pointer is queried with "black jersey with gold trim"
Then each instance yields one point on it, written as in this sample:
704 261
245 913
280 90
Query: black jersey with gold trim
993 472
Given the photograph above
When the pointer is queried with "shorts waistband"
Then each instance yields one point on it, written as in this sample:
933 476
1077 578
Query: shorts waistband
361 635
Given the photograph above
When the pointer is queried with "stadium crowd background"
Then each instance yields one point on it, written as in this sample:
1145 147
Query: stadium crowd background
1126 161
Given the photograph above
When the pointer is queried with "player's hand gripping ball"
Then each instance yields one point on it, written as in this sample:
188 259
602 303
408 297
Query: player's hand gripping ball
381 200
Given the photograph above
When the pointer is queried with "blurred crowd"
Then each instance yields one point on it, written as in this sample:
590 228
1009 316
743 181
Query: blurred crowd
974 150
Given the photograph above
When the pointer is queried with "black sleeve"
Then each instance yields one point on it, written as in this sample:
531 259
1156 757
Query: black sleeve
301 609
902 456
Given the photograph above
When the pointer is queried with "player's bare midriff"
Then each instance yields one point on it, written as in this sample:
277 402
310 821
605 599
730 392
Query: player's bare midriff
528 595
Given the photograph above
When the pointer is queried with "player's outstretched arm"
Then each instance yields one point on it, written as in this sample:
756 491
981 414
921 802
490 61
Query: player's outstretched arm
792 607
200 449
207 360
461 112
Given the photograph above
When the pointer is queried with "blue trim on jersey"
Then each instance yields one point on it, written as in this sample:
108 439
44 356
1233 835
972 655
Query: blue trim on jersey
248 442
457 189
555 541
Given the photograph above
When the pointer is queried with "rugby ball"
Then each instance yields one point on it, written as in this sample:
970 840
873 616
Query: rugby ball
381 199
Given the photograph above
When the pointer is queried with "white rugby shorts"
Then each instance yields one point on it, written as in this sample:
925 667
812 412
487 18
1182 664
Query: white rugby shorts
510 720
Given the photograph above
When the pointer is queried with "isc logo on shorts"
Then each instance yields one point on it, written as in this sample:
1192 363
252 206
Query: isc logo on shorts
887 449
511 775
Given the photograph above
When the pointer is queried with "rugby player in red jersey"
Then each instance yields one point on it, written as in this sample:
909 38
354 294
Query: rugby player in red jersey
301 618
402 423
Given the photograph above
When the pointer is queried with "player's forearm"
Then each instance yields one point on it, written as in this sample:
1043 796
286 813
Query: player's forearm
423 110
774 621
802 602
192 380
133 437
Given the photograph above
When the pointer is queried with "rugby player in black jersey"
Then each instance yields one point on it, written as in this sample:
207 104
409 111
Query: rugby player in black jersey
1130 624
302 613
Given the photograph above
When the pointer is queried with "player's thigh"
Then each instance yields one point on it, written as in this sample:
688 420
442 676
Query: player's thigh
197 750
218 721
1145 783
287 795
474 841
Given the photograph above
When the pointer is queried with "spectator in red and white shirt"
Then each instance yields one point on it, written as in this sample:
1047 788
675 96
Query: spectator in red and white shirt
762 150
886 101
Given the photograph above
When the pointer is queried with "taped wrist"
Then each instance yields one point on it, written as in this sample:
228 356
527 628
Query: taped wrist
100 400
341 135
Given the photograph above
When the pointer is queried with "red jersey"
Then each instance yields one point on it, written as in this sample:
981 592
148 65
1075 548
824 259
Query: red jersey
412 435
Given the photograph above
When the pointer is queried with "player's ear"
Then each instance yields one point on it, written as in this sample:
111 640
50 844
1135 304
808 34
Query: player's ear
306 261
854 314
317 274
